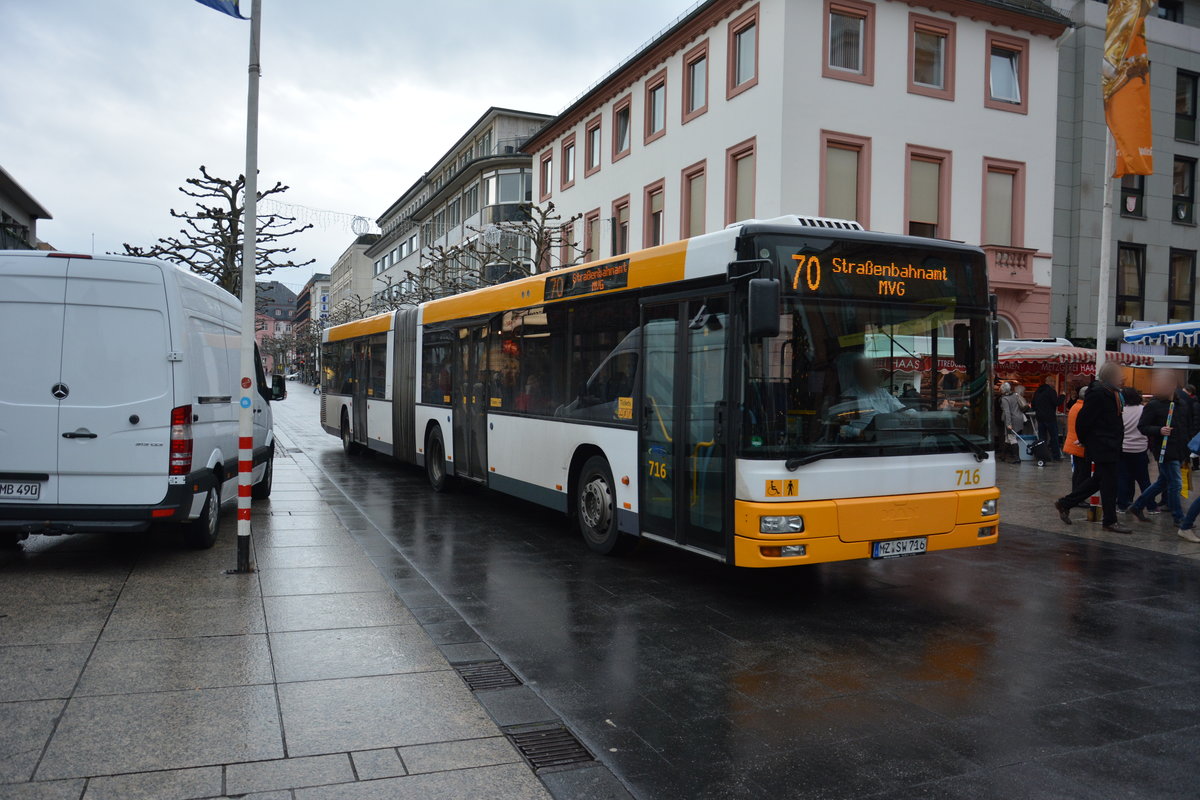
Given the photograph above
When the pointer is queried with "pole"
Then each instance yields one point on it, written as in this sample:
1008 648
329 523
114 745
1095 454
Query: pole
249 248
1102 278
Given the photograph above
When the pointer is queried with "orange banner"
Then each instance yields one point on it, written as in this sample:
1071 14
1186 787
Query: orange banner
1126 86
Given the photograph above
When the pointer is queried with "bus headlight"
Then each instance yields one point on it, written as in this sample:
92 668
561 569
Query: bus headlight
794 524
989 508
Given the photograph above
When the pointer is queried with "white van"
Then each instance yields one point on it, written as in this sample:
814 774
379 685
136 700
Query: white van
119 397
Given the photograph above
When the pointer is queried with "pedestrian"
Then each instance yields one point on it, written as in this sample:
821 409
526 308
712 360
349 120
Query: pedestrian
1167 423
1134 466
1012 412
1102 431
1081 466
1046 401
1186 528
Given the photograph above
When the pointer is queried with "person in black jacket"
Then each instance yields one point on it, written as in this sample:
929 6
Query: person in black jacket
1101 430
1169 424
1045 409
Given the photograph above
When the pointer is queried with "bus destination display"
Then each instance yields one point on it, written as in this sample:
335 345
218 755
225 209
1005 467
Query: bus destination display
890 279
600 278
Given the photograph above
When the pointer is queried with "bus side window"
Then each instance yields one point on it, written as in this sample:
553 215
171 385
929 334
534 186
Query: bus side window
435 368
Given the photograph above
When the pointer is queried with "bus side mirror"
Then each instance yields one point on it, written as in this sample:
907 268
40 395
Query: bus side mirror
963 354
278 387
763 308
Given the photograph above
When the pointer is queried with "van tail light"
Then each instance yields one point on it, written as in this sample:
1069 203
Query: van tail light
181 440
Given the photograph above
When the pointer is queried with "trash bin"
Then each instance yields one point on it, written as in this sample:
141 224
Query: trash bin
1026 441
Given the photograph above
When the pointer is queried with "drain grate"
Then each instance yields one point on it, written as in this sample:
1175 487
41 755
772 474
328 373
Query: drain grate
488 675
550 747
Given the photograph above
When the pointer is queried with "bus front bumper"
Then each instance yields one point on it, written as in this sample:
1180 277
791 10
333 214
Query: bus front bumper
842 530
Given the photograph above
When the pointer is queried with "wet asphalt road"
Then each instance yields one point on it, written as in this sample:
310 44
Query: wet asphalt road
1042 667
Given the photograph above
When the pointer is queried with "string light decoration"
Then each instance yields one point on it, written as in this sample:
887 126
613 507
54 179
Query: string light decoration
321 218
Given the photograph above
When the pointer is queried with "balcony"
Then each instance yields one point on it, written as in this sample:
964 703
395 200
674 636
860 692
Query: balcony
1010 267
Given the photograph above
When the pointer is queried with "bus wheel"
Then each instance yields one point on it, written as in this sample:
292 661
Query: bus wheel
348 445
596 510
435 461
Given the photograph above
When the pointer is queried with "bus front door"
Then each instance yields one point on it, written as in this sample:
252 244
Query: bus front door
362 380
682 445
470 412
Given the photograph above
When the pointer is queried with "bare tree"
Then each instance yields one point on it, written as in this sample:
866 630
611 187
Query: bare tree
210 243
353 307
538 240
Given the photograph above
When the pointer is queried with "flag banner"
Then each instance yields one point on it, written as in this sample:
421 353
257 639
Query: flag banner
1126 85
229 7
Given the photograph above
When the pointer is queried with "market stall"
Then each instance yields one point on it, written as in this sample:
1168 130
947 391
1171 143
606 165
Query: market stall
1176 334
1061 366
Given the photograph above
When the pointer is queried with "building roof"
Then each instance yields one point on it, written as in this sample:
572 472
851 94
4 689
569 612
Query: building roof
275 293
10 187
1034 16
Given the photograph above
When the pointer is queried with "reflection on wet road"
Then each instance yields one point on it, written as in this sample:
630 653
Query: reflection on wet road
1042 667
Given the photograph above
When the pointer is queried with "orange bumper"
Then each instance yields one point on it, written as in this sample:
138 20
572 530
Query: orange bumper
840 530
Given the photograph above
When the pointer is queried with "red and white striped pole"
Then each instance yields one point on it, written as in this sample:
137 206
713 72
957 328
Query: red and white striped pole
249 255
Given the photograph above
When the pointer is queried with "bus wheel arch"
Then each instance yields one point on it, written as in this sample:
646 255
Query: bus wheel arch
593 503
435 458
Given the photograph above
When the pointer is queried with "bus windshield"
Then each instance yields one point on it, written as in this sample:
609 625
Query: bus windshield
869 375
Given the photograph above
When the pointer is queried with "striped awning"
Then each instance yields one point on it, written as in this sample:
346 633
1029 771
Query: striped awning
1177 334
1061 354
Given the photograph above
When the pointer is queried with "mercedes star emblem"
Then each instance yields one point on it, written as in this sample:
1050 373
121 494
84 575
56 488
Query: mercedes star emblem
60 390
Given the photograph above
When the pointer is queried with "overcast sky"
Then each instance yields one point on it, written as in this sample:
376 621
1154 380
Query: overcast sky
109 106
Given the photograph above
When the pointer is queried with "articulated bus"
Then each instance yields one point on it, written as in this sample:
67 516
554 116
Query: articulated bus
780 392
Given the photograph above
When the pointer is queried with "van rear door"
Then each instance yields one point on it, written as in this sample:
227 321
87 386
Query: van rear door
115 423
31 329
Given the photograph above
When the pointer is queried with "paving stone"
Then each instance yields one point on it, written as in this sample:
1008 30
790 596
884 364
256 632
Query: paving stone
24 729
163 730
287 773
353 652
506 782
176 784
52 623
443 756
185 617
303 612
167 587
368 713
44 790
40 672
335 555
585 783
321 580
467 652
153 665
515 706
374 764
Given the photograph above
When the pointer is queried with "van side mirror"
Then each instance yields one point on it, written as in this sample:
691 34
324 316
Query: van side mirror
278 387
763 309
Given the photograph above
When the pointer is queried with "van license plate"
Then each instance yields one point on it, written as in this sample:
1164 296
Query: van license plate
20 490
895 548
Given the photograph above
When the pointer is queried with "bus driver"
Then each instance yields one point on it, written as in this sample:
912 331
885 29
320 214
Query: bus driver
862 398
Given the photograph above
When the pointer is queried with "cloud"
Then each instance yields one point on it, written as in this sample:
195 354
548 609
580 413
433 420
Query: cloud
118 103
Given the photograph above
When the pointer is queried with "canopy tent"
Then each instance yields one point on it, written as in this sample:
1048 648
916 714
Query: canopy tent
1065 360
1176 334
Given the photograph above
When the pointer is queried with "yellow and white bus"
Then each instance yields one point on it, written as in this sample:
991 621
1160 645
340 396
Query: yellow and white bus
780 392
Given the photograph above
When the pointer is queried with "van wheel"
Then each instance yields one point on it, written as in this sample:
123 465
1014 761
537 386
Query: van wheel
348 445
596 510
10 541
201 533
435 461
262 489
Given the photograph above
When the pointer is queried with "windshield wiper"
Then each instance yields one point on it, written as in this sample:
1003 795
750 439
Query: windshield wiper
794 464
976 450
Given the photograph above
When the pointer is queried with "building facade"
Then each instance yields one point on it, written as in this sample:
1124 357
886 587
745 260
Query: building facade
351 276
1154 234
911 117
19 214
312 308
481 180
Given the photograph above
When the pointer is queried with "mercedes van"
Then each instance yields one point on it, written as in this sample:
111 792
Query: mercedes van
119 397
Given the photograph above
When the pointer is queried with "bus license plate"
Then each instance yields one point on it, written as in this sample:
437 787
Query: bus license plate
895 548
20 490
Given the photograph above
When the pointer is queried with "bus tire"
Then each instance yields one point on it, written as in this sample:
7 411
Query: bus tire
596 510
435 461
348 445
262 489
201 533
